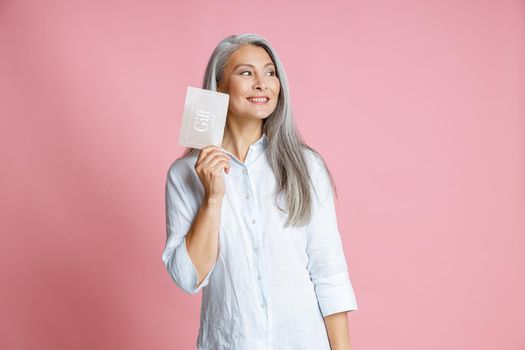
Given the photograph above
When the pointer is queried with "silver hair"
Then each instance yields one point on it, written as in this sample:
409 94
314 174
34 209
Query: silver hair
285 149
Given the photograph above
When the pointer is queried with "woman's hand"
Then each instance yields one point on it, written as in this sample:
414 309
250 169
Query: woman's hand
210 163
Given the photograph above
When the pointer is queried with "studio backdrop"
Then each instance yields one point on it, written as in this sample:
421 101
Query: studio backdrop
418 108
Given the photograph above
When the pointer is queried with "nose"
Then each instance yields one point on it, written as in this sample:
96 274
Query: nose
259 83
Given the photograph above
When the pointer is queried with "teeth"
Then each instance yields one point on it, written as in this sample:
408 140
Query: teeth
260 99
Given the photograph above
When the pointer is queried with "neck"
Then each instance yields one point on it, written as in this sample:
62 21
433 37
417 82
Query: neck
237 139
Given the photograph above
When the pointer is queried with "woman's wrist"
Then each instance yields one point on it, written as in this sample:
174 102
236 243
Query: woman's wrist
212 201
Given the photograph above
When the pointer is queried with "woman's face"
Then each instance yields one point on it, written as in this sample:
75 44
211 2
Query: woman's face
250 73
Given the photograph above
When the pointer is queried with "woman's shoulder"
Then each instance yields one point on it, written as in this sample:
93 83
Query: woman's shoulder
318 171
183 164
182 170
313 159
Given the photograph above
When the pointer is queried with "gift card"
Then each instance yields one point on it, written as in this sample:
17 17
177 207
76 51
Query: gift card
204 118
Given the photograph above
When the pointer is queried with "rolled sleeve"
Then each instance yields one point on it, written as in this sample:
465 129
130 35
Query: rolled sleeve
179 217
326 259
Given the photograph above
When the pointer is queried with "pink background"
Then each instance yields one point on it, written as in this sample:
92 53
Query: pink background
422 112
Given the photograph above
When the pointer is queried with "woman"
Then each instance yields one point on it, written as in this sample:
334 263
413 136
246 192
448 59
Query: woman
254 221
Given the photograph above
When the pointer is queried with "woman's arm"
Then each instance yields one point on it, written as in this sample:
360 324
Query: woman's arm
202 241
192 235
192 244
337 329
326 261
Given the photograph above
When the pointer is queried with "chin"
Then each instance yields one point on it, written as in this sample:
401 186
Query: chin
263 116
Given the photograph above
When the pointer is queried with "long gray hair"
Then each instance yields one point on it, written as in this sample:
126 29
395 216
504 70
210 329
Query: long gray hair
285 146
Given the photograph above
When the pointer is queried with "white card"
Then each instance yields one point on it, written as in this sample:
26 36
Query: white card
204 118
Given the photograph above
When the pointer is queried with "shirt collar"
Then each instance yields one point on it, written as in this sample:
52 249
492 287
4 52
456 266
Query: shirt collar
261 142
254 150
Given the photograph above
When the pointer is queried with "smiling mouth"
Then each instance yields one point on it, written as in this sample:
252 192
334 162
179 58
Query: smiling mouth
258 100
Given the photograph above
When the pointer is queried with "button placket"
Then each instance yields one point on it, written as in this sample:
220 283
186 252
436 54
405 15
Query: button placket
252 205
247 195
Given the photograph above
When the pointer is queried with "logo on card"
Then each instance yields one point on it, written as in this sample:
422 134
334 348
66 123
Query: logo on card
203 118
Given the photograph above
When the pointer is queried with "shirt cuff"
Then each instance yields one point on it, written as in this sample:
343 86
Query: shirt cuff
335 294
188 277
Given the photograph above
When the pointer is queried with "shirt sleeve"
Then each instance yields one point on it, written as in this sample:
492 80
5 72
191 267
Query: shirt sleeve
326 260
179 217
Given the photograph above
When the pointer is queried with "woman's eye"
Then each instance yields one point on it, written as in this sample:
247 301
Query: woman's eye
247 71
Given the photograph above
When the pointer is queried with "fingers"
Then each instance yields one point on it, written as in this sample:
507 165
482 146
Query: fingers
204 152
213 157
217 164
217 169
209 150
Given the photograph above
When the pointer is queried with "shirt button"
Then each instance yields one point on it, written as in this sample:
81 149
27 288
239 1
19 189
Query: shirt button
255 250
263 305
253 221
244 171
247 195
259 277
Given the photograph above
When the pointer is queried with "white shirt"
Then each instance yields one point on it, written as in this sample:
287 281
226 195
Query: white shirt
270 286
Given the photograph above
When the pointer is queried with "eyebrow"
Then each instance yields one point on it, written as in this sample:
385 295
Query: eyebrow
251 65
